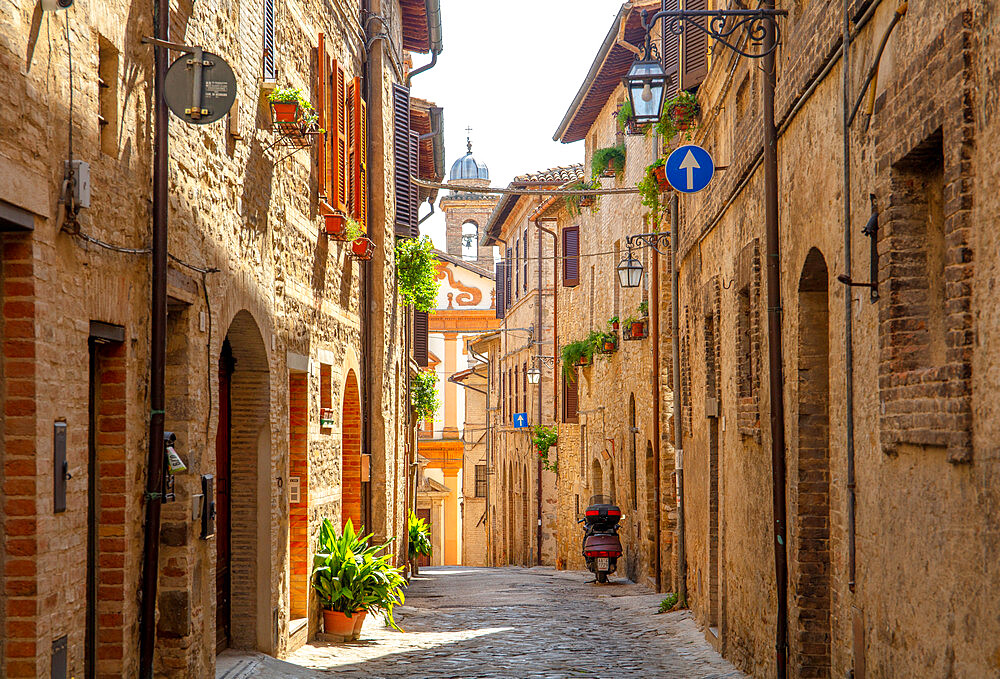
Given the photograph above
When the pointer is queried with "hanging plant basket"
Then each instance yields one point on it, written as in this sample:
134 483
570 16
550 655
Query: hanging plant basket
583 361
363 248
660 173
683 114
335 226
285 112
586 201
609 171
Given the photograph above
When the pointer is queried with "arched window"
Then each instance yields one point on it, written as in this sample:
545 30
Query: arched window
470 241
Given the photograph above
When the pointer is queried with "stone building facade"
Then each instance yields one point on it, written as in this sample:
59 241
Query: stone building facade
859 592
610 440
522 501
283 387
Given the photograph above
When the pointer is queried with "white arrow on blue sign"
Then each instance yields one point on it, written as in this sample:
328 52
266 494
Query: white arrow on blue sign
690 168
520 420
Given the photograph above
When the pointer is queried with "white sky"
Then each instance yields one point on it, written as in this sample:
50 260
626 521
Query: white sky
510 70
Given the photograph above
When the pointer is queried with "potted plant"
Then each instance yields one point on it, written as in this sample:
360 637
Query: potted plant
608 342
361 246
679 115
576 353
626 123
543 438
643 309
334 221
608 162
352 578
419 542
423 394
416 272
575 202
659 170
288 105
650 188
613 322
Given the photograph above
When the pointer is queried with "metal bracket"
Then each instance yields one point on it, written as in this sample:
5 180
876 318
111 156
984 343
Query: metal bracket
197 62
723 25
647 239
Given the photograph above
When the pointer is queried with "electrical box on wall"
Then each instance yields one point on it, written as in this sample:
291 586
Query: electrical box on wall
60 467
79 188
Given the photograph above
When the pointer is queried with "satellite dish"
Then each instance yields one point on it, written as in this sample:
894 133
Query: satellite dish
213 81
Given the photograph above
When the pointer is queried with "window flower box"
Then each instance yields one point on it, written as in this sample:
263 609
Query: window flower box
363 248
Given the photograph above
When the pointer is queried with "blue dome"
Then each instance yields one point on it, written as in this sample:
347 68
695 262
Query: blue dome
467 167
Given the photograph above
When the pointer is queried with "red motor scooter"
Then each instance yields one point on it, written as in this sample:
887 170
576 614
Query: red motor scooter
601 545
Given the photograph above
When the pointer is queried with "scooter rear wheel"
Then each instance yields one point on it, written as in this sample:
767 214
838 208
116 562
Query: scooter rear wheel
602 577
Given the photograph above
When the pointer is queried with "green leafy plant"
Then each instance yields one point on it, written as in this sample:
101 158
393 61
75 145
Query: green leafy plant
574 352
416 272
543 438
423 394
600 339
351 575
669 602
679 115
290 95
352 230
419 537
610 156
624 114
613 321
575 202
643 308
649 190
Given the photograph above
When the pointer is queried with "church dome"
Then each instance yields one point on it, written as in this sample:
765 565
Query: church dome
467 167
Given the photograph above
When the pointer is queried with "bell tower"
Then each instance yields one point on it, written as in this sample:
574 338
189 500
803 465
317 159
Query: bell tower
466 213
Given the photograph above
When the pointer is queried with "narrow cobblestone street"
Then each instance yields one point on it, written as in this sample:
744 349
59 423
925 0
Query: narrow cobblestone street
509 622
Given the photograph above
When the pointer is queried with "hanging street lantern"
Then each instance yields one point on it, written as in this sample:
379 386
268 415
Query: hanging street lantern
646 84
534 375
630 271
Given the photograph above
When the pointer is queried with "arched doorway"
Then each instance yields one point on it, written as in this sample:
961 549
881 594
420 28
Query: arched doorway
811 627
243 490
633 458
525 522
596 478
350 453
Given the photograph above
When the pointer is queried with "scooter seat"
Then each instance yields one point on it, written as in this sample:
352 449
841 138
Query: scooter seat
603 543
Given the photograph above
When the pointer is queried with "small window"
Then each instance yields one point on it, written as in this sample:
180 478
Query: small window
480 480
107 95
470 241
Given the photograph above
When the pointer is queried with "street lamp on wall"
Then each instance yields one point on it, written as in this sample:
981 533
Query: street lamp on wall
534 375
646 84
630 271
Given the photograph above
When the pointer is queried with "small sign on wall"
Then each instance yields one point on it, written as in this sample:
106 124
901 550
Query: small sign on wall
326 420
293 490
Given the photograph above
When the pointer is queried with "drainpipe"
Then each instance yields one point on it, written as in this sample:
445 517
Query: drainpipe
538 343
675 331
433 10
776 369
157 350
366 317
654 331
848 308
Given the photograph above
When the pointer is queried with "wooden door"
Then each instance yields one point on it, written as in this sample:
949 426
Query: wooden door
424 559
222 500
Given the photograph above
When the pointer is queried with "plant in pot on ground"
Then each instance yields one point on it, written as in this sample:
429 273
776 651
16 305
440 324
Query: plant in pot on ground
679 115
416 272
543 438
419 541
575 202
352 578
608 162
580 352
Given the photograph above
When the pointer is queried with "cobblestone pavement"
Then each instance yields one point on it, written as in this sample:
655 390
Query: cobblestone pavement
510 622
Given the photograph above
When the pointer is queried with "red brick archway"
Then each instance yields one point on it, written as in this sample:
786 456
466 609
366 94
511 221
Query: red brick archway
350 455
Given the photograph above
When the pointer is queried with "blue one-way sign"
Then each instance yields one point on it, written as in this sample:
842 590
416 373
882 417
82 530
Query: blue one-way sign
520 420
690 168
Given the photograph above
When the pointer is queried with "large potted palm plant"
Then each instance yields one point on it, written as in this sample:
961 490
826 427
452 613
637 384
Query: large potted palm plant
419 541
352 578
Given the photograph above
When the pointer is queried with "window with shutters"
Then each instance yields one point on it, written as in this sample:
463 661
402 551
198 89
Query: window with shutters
501 289
517 390
571 256
524 387
270 73
414 192
525 260
694 49
508 273
420 338
517 269
570 400
405 219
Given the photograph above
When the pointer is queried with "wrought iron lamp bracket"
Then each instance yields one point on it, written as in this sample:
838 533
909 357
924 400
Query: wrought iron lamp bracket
724 26
545 361
647 240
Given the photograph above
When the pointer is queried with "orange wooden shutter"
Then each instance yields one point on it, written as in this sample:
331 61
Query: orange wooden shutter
694 49
322 107
358 154
338 137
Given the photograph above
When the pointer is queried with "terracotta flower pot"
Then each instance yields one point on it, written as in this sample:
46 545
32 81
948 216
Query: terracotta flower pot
335 622
335 226
614 326
359 620
609 347
660 173
637 330
610 170
586 201
582 362
363 248
285 111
